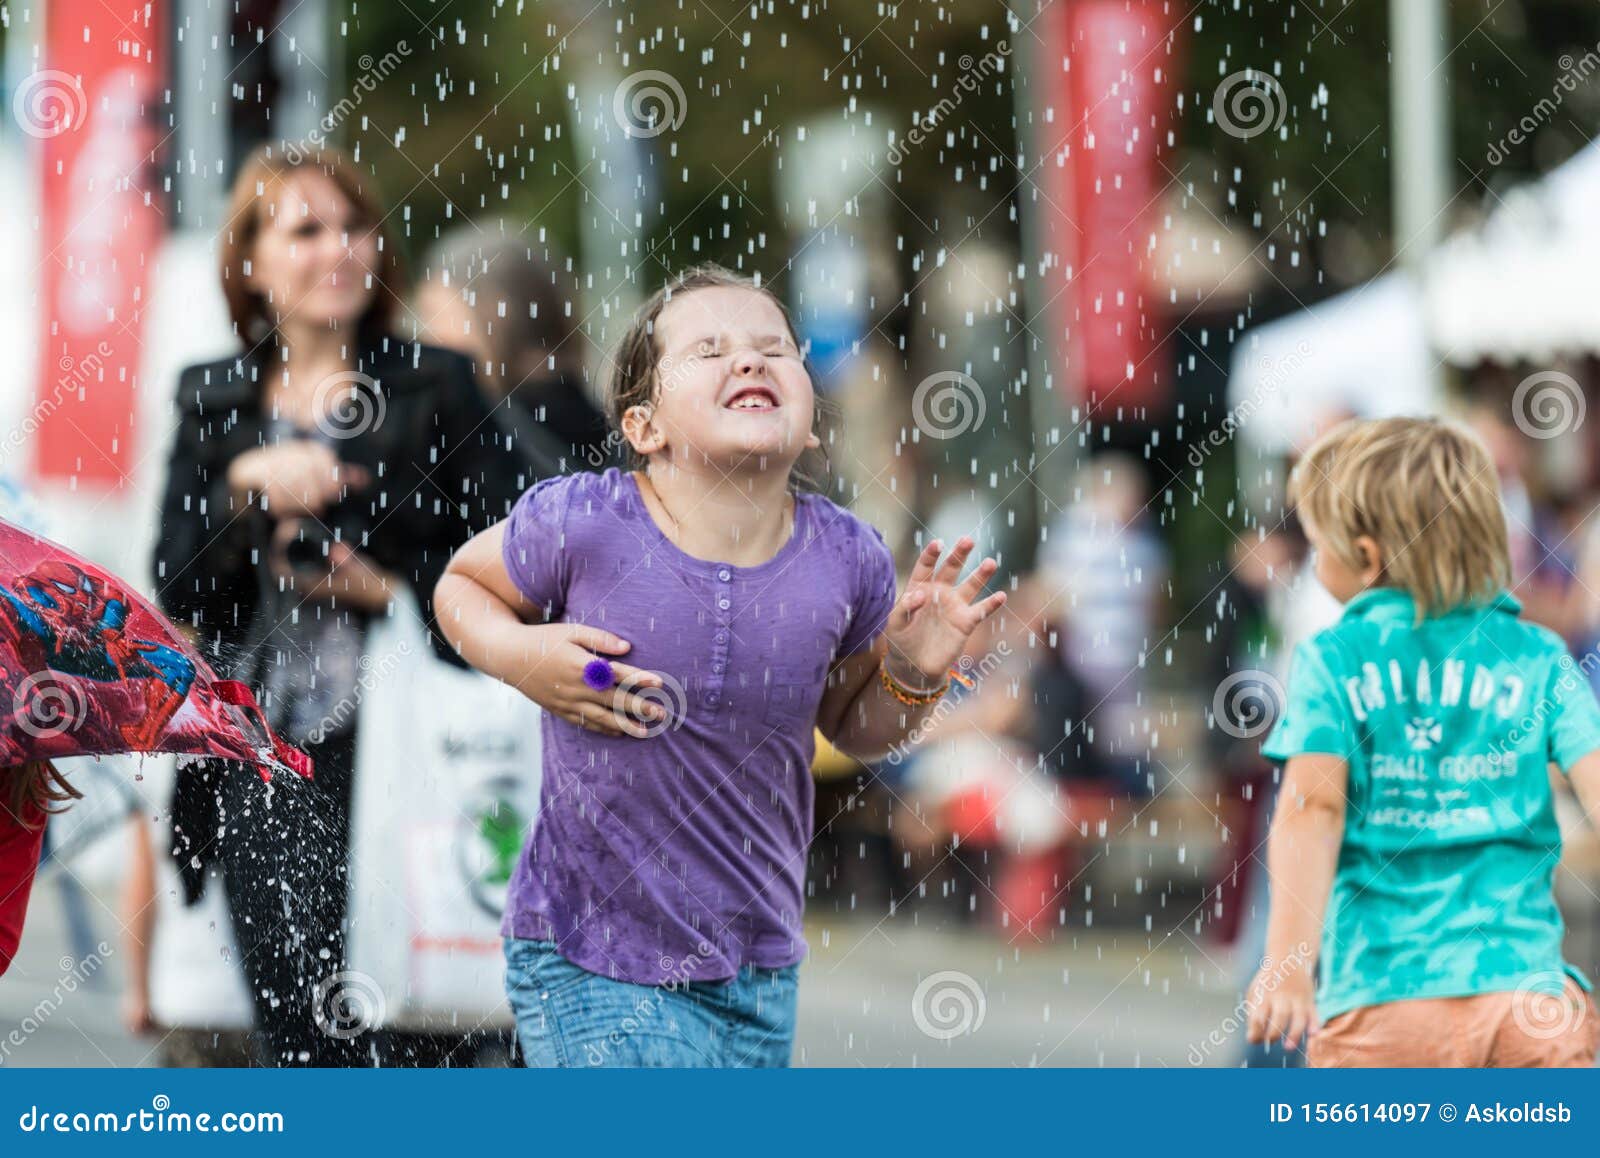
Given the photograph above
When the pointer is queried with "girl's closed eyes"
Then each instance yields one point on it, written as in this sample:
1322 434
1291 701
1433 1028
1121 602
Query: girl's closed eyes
770 347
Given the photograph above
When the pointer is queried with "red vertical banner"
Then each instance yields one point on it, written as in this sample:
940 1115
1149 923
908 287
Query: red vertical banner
1108 82
93 108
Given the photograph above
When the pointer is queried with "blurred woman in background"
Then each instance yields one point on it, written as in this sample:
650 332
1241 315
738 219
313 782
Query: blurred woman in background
312 473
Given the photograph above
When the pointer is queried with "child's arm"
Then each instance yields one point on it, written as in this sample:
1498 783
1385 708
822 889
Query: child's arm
858 716
1302 856
925 633
138 905
1584 775
497 630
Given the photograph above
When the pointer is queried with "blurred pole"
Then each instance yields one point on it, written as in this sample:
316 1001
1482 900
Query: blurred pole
1051 421
620 190
200 123
1421 145
303 56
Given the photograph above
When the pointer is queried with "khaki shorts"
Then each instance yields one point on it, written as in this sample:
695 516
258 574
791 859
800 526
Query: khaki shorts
1486 1031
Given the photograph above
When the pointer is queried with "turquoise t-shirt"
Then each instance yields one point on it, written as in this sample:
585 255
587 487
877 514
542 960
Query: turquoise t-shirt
1445 880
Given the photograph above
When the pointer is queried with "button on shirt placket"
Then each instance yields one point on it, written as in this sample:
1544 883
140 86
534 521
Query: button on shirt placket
719 649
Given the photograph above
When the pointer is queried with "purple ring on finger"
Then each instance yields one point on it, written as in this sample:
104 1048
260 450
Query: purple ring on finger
599 675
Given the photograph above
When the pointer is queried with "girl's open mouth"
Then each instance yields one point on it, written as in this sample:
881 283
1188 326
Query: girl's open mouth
757 398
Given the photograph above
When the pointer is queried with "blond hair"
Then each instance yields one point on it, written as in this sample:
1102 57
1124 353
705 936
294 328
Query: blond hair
1425 491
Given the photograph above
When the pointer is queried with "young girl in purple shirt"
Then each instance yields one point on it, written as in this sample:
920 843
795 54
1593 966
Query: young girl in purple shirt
655 915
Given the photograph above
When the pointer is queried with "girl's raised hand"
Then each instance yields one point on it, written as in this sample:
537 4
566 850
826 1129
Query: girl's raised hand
937 613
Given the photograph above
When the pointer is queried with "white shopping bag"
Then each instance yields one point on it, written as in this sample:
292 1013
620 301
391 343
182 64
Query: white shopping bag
446 790
196 978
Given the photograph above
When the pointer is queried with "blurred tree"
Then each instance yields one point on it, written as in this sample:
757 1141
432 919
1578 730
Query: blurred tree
1319 188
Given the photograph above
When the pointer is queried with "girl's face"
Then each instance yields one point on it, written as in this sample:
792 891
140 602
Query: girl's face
313 254
731 389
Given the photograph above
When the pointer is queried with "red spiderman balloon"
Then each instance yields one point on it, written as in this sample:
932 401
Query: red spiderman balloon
89 668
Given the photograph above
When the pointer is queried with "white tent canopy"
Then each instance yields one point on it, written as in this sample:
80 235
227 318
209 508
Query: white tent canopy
1517 289
1362 352
1512 291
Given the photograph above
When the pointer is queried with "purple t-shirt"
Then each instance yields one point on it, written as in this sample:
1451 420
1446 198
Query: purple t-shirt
683 855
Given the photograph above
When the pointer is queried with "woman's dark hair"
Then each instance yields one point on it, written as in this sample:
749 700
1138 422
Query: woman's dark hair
524 301
635 379
36 786
261 177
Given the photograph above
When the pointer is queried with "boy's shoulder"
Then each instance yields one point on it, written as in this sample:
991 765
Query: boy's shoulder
1548 638
1356 637
1339 645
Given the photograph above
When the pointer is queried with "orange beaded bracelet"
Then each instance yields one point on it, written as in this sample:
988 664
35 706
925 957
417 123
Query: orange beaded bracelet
911 697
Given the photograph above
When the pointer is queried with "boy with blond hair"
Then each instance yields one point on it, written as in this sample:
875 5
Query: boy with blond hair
1415 839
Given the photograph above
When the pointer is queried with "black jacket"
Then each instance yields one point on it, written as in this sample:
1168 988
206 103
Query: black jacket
558 404
443 467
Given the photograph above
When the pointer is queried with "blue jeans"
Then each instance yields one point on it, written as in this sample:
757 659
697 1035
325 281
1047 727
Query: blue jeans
567 1016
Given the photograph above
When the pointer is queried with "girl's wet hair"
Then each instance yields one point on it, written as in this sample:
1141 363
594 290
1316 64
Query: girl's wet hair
635 378
37 785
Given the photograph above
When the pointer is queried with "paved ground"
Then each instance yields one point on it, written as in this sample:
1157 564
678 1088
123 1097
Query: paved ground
889 996
1106 999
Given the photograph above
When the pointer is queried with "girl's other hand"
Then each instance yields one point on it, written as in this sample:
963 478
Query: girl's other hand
559 652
